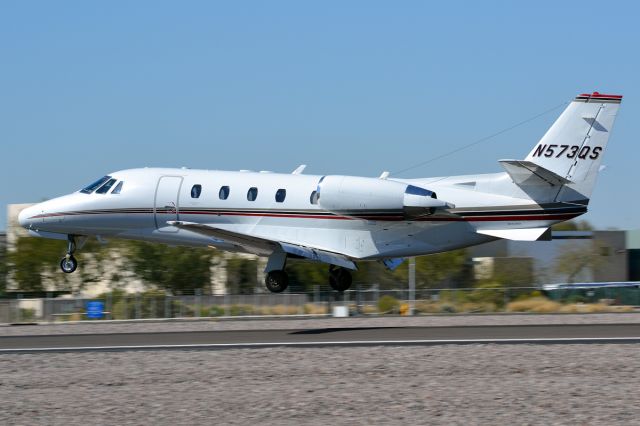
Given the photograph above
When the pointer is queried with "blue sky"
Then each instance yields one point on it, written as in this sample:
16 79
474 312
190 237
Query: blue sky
349 87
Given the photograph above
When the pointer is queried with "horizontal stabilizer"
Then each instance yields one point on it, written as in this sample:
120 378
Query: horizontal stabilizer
531 234
529 173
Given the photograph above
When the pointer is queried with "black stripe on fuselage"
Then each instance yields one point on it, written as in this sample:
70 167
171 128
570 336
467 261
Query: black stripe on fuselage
555 209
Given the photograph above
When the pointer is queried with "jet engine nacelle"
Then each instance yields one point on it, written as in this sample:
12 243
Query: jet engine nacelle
373 198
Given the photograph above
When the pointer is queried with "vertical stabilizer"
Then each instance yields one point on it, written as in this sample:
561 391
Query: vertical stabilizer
574 145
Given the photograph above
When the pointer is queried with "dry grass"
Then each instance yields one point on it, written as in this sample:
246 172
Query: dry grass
477 307
581 308
428 307
535 304
280 310
541 305
315 309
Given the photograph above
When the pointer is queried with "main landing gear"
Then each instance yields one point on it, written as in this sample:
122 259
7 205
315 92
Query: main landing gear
339 278
68 264
277 280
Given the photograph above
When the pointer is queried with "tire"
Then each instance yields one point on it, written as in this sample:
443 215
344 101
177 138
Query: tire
276 281
340 279
68 264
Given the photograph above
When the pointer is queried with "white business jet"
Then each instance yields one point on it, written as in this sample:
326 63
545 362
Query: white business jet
341 220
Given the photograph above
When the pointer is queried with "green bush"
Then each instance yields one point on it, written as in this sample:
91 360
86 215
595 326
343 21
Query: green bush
238 310
212 311
446 308
576 298
527 295
27 314
388 304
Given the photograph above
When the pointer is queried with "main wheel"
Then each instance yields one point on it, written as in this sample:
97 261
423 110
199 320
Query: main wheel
340 279
276 281
68 264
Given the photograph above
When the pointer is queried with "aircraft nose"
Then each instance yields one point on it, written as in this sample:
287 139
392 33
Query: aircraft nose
25 218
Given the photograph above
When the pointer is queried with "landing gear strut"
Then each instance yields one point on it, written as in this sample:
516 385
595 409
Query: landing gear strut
68 264
276 281
339 278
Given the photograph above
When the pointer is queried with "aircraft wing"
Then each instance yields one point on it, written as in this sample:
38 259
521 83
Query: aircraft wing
263 246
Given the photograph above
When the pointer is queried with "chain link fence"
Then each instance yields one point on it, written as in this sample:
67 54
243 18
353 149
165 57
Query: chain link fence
118 306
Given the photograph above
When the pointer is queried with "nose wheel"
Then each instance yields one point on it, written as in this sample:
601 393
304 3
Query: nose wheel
68 264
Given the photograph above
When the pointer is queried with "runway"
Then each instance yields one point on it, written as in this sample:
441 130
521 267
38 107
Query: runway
315 337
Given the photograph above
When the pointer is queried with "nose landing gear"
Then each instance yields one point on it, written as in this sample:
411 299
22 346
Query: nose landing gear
68 264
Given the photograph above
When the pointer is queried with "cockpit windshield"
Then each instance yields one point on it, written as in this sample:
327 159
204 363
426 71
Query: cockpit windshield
95 185
106 187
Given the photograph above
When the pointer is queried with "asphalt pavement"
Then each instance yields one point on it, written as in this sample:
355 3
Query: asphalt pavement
347 336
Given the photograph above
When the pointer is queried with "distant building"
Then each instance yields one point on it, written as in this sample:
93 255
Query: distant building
612 255
518 270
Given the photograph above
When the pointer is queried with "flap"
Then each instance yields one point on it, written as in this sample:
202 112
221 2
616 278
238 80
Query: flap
529 173
264 247
318 255
531 234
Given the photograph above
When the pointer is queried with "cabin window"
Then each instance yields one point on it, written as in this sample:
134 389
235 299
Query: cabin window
118 188
313 199
281 194
90 188
252 193
195 191
224 192
106 187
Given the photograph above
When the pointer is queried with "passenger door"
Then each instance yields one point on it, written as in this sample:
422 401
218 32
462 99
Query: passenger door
167 202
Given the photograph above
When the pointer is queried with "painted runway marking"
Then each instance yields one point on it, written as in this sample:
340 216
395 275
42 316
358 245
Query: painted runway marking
426 342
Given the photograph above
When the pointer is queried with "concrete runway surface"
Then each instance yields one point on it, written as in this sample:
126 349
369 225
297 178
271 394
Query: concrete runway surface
347 336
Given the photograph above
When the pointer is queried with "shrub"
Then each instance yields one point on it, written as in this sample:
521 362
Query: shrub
239 310
447 308
477 307
388 304
428 307
212 311
529 295
27 314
